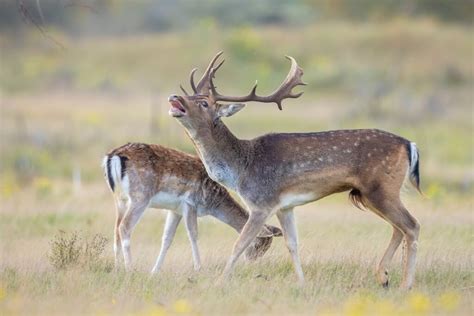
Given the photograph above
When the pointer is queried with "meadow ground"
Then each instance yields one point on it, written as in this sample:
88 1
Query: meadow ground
340 246
61 111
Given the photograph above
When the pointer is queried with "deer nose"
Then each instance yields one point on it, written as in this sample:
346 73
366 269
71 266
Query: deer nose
172 97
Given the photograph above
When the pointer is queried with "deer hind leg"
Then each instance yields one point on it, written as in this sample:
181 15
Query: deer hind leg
290 232
130 219
391 209
382 273
250 230
120 211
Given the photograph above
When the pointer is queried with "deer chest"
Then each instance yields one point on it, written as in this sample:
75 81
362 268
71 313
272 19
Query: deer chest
222 174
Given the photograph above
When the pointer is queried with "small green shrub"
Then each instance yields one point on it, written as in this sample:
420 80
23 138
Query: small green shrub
69 250
92 252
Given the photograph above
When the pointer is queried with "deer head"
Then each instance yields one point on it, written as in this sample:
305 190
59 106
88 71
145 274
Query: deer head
205 105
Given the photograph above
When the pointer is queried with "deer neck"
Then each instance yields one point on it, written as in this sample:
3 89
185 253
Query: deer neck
230 213
223 154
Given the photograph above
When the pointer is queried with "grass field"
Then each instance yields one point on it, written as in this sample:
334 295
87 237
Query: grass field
340 246
62 111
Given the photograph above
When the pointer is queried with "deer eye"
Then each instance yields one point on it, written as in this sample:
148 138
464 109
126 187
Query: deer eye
203 104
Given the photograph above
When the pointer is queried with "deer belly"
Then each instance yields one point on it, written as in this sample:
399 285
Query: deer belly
165 200
294 199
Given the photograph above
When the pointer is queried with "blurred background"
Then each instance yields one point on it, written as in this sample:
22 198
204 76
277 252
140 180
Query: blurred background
80 77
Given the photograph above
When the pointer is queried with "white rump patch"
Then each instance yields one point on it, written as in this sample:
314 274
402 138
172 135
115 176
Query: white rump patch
122 186
413 156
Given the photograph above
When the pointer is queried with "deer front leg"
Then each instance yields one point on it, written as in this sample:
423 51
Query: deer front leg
290 232
249 232
172 222
190 221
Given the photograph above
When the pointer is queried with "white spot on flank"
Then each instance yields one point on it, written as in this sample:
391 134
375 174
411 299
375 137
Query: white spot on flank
369 154
334 147
321 159
356 144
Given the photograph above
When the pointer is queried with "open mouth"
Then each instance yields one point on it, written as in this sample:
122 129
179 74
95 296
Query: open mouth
177 109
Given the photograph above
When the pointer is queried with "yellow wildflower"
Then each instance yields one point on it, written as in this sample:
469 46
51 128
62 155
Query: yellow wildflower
182 307
419 303
357 306
3 293
156 311
449 301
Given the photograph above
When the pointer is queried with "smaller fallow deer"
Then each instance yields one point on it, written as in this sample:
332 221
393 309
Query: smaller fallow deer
274 173
146 175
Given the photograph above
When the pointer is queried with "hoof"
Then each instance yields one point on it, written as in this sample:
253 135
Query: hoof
383 279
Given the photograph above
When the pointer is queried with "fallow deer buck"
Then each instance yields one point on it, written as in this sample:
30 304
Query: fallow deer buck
274 173
143 175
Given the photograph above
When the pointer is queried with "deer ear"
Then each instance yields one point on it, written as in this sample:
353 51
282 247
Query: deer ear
275 231
226 110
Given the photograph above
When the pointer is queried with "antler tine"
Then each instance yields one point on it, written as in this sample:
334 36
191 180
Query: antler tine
292 80
214 69
184 91
212 87
191 80
204 84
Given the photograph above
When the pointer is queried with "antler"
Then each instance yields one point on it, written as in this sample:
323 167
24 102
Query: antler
292 80
204 83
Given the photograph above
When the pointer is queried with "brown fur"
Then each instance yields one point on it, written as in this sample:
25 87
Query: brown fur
153 169
276 172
